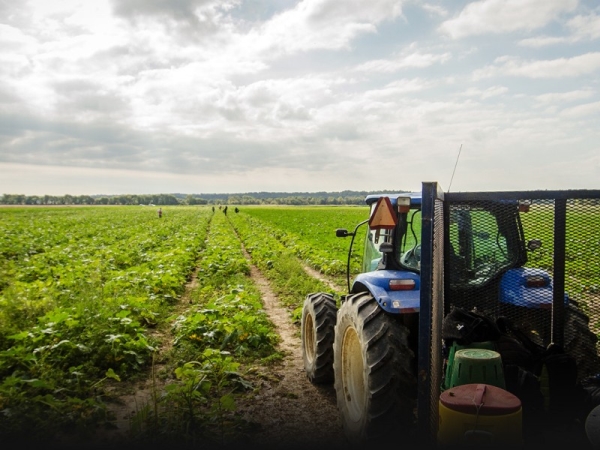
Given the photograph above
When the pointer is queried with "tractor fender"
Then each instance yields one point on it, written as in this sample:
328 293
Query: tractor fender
515 290
394 302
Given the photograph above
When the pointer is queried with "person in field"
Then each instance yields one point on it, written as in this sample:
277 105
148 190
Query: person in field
159 213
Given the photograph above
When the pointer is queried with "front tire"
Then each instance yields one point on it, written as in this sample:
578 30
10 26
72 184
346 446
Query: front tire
318 322
375 376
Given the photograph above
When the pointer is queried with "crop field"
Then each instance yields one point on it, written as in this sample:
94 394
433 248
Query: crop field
92 298
89 296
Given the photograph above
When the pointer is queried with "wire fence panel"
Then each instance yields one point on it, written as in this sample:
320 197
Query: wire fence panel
529 262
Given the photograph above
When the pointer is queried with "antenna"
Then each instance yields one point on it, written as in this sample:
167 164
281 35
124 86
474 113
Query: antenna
455 164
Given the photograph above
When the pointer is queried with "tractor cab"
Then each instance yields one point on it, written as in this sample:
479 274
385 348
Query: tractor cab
483 242
393 244
391 260
484 247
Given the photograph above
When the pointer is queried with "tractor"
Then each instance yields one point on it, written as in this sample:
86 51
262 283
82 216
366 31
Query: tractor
367 343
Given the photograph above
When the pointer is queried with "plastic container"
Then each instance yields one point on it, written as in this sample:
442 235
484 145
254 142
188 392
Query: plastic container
479 414
477 365
450 362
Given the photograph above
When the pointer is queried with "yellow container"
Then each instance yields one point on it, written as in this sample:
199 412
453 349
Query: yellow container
479 414
477 365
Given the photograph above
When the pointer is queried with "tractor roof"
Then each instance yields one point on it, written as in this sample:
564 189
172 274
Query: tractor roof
415 198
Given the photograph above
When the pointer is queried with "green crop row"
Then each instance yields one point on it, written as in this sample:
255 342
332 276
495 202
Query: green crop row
223 324
228 313
279 263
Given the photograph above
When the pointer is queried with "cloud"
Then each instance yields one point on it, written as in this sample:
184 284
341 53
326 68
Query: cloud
505 16
585 27
565 97
581 28
398 88
588 110
435 10
181 16
543 41
403 61
490 92
322 24
555 68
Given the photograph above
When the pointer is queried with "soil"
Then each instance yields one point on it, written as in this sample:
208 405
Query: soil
291 411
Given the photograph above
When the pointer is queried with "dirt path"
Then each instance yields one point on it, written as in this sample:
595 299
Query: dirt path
291 412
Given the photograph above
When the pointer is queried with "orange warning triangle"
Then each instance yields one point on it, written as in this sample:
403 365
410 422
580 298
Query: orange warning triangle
383 216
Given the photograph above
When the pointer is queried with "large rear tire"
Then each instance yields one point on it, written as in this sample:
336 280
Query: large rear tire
581 342
318 322
375 375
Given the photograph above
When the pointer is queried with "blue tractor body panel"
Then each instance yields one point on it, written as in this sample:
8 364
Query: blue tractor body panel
394 302
514 289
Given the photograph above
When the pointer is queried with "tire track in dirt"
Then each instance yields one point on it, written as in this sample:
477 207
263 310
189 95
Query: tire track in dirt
290 412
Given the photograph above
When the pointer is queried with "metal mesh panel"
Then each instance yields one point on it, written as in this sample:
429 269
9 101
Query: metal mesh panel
486 241
529 258
511 258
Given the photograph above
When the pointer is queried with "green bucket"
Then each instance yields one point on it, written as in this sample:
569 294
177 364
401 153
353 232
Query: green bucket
450 362
477 365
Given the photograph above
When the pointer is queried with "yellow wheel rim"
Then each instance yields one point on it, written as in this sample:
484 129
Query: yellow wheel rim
309 338
353 374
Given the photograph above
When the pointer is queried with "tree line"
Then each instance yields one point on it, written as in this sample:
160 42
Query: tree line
16 199
253 198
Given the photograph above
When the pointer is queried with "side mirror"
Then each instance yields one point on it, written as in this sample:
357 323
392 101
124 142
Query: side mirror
534 244
342 232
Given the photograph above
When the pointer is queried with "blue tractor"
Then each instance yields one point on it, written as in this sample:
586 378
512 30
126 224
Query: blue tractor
367 344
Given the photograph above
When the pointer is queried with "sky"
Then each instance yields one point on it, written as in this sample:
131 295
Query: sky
233 96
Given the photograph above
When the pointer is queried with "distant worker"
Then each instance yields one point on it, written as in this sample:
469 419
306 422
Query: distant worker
159 213
213 209
225 210
237 210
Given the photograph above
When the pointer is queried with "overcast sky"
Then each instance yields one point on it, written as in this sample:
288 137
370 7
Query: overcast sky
233 96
